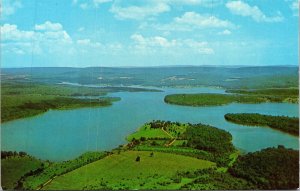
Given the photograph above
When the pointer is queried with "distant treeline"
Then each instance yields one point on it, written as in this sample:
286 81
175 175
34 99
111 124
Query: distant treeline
7 154
283 123
34 107
237 96
270 91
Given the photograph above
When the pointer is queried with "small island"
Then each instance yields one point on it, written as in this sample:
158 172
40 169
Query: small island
282 123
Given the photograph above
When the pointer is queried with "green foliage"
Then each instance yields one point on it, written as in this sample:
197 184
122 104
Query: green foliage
208 138
176 150
23 88
282 123
33 108
146 132
36 180
198 99
209 179
13 167
270 91
273 94
121 171
270 169
259 96
200 141
9 154
21 100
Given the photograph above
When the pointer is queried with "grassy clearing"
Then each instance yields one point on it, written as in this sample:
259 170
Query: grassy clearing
179 143
200 154
121 171
38 179
13 168
148 133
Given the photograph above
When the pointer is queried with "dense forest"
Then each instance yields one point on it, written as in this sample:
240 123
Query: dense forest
212 99
19 100
208 138
283 123
269 169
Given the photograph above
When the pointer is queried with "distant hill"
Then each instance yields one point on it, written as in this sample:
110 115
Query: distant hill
222 76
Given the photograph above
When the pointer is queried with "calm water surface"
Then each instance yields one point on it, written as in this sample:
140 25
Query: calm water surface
61 135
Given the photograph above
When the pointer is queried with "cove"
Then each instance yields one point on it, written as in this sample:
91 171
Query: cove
61 135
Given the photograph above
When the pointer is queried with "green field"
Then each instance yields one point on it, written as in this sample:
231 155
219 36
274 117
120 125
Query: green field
122 171
147 133
50 170
13 168
282 123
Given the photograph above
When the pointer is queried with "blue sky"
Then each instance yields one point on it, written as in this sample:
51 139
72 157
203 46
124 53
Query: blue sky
81 33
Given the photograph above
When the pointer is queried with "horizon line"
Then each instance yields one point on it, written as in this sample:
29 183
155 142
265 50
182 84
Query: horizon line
164 66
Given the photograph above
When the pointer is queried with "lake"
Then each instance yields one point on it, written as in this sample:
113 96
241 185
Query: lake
61 135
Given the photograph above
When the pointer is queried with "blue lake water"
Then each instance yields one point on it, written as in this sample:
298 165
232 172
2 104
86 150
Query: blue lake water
60 135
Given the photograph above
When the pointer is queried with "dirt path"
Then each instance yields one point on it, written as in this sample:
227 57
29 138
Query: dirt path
46 183
174 139
167 133
170 143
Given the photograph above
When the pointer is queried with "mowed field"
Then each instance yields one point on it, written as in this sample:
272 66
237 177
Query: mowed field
148 133
122 171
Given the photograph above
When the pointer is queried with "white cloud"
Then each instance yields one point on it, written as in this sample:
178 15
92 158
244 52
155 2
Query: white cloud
48 37
198 20
12 33
243 9
158 44
295 7
84 41
81 29
9 7
190 21
87 4
225 32
139 12
74 2
156 41
99 2
48 26
205 3
151 8
84 6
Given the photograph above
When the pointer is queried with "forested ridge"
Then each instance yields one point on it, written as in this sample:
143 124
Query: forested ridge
283 123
